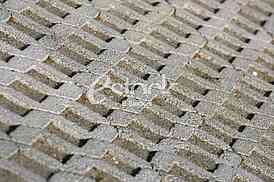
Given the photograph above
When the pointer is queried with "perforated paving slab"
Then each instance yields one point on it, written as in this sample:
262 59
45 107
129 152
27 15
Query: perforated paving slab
136 90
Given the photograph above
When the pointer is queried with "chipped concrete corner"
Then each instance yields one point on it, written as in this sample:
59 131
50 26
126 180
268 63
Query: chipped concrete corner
136 90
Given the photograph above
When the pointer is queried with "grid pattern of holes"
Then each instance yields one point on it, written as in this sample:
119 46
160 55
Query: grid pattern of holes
159 66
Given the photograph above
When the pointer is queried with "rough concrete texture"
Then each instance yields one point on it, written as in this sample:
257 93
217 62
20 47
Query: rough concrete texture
214 121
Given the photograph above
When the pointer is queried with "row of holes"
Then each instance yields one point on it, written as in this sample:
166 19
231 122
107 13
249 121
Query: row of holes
52 9
195 143
124 17
132 172
67 71
157 66
203 5
28 13
20 27
29 92
253 18
68 157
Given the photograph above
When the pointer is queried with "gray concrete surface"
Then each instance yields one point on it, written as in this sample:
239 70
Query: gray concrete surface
210 118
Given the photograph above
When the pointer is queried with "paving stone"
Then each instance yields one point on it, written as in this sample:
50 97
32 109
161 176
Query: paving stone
136 90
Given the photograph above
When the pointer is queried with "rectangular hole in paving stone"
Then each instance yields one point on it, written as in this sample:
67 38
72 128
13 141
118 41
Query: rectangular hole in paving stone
206 19
50 176
213 169
221 69
22 28
11 40
232 142
188 35
66 158
163 102
263 23
216 10
101 51
11 129
50 8
175 29
146 76
135 8
160 68
44 98
8 58
85 43
51 25
100 176
28 91
72 54
241 128
24 47
108 113
82 142
67 71
154 50
40 37
12 106
135 171
123 31
231 60
42 144
92 29
250 116
259 104
155 3
267 93
166 55
164 39
205 92
123 99
131 146
44 79
124 17
37 18
102 19
240 49
74 117
150 156
182 114
195 103
71 3
199 27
